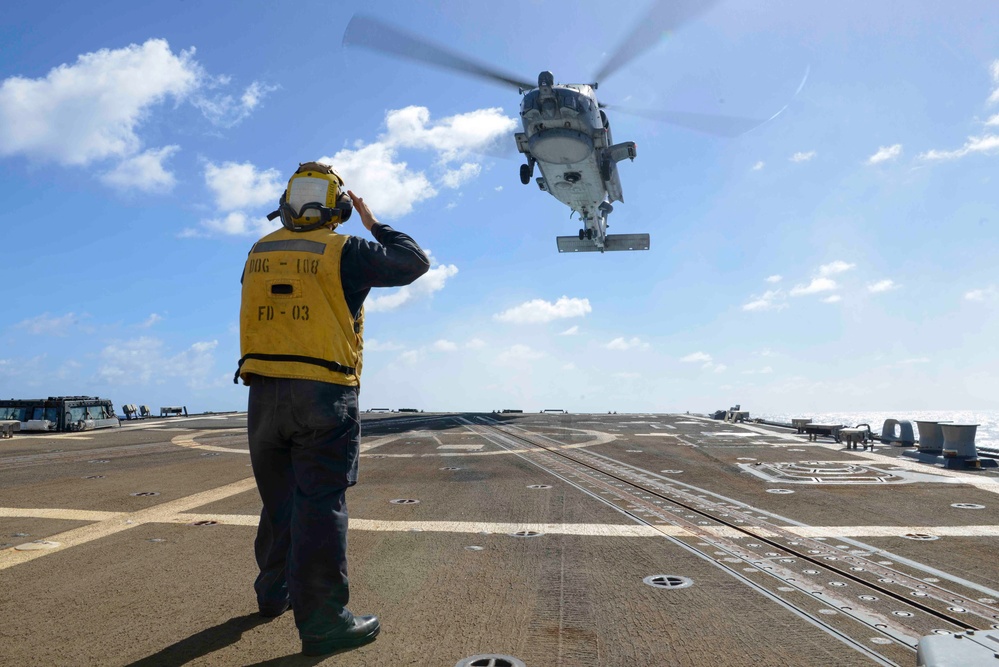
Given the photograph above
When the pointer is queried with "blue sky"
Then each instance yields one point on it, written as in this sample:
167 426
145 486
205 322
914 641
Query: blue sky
841 257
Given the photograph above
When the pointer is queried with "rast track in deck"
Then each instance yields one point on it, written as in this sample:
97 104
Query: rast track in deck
878 607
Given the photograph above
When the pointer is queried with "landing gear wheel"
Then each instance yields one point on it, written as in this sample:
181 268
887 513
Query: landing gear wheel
581 234
589 234
526 171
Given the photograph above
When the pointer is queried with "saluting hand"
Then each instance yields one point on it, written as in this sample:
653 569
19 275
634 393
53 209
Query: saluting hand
367 217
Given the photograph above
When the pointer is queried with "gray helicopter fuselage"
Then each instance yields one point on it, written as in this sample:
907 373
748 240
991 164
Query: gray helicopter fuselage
568 136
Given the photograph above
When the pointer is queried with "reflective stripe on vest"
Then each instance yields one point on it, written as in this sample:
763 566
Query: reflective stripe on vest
294 320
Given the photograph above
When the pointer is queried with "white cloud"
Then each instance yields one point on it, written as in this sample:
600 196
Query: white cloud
993 120
475 344
374 345
990 292
240 186
802 157
224 110
518 353
774 278
571 331
46 324
143 360
455 178
144 172
627 344
411 357
759 165
885 153
994 70
444 345
720 368
540 310
770 300
90 110
499 188
815 287
882 286
388 186
696 357
235 223
425 286
987 144
834 298
832 268
151 321
452 137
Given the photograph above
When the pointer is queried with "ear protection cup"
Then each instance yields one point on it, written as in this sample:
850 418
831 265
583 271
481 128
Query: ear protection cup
344 207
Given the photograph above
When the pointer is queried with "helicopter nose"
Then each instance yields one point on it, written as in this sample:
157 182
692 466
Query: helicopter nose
546 80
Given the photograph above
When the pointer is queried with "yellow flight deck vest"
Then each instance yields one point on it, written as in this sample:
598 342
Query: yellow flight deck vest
294 321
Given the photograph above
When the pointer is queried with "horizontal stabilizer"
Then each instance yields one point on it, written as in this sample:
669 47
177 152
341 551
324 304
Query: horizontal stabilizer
611 242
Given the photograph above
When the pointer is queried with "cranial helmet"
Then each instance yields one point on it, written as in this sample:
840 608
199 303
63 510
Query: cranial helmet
314 198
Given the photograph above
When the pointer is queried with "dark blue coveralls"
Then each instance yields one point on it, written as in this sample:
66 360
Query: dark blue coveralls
304 441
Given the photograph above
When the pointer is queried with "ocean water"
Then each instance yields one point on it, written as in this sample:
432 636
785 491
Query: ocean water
986 436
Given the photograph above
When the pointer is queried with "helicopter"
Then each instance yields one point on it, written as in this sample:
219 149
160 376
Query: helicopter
566 131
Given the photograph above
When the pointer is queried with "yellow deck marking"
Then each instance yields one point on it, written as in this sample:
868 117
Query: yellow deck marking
378 442
177 512
72 515
156 514
189 440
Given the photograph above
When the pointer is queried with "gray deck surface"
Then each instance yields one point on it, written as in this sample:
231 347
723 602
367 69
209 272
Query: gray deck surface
133 580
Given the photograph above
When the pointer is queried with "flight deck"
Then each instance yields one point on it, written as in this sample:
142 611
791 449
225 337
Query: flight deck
505 540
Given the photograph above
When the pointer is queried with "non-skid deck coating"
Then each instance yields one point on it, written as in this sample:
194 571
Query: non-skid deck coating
94 574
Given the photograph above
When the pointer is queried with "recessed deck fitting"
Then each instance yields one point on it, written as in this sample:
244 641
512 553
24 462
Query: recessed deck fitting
539 486
780 491
450 468
968 506
145 493
99 461
671 471
94 477
921 536
490 660
205 523
668 581
404 501
526 533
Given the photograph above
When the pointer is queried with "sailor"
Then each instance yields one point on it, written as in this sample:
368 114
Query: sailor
301 339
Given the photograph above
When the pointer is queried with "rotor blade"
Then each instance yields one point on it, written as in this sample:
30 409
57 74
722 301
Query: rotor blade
663 17
373 34
722 126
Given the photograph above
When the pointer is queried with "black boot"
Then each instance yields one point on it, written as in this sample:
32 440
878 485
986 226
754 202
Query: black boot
359 631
